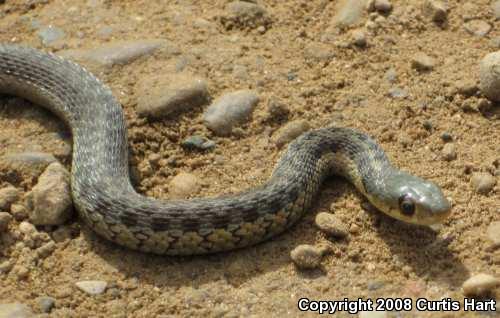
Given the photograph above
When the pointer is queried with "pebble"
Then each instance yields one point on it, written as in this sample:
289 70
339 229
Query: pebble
290 131
5 219
478 28
49 202
92 287
229 110
391 76
359 38
397 92
245 14
45 303
382 5
446 137
306 256
32 163
449 152
495 6
45 250
175 93
483 182
435 10
489 76
480 285
422 62
15 310
27 229
183 185
493 233
5 267
331 225
19 212
277 110
198 142
51 34
466 87
115 53
22 272
349 12
8 195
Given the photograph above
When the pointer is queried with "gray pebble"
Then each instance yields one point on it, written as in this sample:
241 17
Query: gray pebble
422 62
331 225
449 152
50 34
5 219
435 10
229 110
483 182
478 28
116 53
15 310
49 202
480 285
398 92
306 256
359 38
8 195
349 12
92 287
489 76
493 233
290 131
45 303
198 142
177 93
446 137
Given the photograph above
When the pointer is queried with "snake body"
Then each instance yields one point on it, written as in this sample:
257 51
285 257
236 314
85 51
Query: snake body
107 202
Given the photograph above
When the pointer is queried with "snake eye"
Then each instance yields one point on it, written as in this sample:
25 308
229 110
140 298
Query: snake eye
406 205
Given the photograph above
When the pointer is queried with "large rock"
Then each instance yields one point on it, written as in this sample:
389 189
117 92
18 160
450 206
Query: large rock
49 202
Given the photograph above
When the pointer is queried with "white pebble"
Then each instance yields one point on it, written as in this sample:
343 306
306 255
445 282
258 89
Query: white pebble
480 285
92 287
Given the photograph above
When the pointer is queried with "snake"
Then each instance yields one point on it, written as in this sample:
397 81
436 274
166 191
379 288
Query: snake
107 202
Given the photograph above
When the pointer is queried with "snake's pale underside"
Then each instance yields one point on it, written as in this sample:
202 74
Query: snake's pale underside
105 199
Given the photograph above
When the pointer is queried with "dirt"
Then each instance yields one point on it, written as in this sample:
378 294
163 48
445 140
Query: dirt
295 56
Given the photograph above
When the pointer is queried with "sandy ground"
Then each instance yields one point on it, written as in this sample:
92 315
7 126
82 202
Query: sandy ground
300 60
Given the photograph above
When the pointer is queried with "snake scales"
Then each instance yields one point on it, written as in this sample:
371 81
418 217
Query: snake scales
105 199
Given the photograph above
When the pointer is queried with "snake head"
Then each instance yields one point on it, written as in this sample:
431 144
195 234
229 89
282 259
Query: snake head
415 200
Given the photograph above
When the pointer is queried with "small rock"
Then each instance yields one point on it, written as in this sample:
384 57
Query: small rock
115 53
19 212
467 87
422 62
449 152
22 272
31 163
478 28
46 249
8 195
331 225
306 256
359 38
489 76
349 13
183 185
277 110
198 142
92 287
51 34
495 6
229 110
162 96
446 137
290 131
27 229
45 303
483 182
382 5
494 233
435 10
50 200
5 267
243 14
398 92
480 285
5 219
391 76
15 310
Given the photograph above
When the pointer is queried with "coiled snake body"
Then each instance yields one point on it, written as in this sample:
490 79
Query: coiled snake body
105 199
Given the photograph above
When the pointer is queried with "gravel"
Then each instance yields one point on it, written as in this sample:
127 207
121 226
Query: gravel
489 76
480 285
483 182
183 185
449 152
8 195
230 110
162 96
15 310
5 219
422 62
290 131
493 233
306 256
49 202
331 225
92 287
